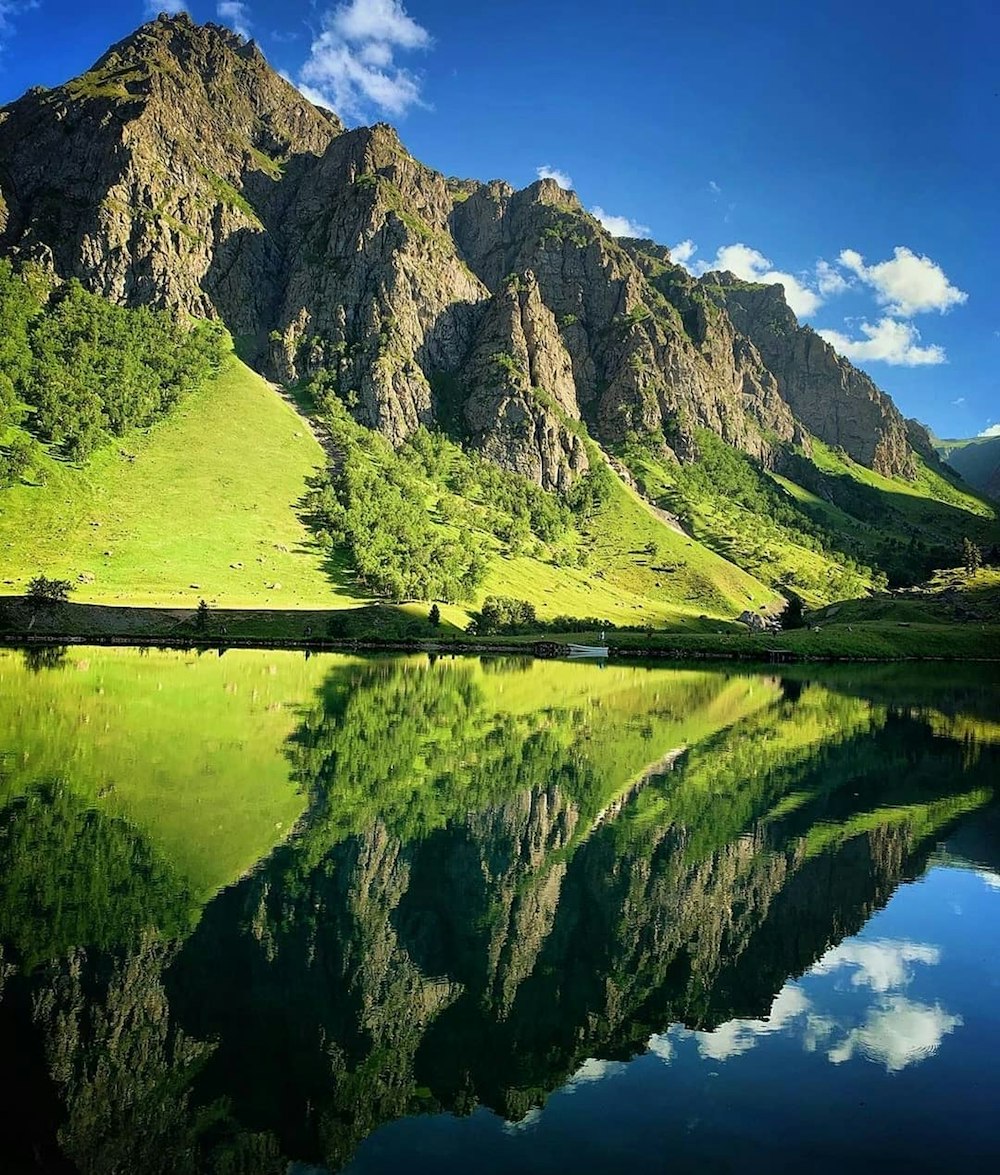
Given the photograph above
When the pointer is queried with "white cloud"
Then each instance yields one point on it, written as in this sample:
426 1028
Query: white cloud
683 251
236 14
896 1034
620 226
352 67
171 7
739 1036
887 341
553 173
957 403
385 22
889 1029
593 1070
992 430
907 284
829 280
880 964
714 188
752 266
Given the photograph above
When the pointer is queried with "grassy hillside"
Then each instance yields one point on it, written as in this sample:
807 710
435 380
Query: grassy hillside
204 497
115 727
826 527
210 502
977 460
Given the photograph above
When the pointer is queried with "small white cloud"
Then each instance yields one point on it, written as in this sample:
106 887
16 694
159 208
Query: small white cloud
661 1046
352 67
153 8
739 1036
620 226
907 284
593 1070
957 403
880 964
829 280
714 188
683 251
553 173
897 1034
384 21
992 430
887 341
752 266
236 14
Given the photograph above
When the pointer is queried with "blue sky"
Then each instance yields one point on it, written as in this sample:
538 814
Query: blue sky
849 149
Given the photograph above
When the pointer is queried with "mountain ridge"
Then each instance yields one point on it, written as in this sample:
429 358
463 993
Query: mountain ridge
276 219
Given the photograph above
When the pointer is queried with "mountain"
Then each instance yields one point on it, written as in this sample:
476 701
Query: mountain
182 173
977 460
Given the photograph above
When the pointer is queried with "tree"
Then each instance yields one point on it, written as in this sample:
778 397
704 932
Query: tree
791 614
434 615
972 556
42 590
16 461
201 616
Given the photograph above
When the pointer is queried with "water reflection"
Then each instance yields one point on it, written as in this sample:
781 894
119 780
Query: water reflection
498 881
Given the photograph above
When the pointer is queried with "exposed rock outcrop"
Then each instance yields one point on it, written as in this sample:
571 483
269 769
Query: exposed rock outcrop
832 399
519 392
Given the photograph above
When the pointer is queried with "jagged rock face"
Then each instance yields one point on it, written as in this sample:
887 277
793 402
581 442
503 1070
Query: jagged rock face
375 292
639 364
520 396
152 176
182 171
835 401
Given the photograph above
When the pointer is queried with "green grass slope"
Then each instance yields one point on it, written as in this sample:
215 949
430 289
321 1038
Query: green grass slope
208 503
206 496
825 527
117 725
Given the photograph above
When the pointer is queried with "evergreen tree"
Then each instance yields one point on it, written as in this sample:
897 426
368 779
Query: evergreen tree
791 615
972 556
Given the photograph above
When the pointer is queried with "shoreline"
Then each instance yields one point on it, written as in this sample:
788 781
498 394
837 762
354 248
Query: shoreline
385 628
527 647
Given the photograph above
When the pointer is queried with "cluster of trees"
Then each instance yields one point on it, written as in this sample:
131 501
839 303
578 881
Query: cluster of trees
82 370
417 521
376 504
504 614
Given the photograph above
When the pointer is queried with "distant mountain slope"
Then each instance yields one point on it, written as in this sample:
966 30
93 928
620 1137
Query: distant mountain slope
977 460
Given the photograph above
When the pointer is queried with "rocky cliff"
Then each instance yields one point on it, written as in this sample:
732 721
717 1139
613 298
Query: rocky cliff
182 171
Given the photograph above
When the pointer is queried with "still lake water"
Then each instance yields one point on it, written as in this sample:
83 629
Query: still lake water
263 913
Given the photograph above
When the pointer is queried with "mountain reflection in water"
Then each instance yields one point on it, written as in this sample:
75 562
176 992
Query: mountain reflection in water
257 911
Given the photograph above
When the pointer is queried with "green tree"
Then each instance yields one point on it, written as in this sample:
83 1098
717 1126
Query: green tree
791 615
972 556
16 460
434 615
42 590
201 616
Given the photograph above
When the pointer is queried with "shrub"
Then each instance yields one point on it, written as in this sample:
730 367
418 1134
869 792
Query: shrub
42 590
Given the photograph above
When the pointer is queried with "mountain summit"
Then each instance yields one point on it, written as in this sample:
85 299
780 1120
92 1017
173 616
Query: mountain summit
182 171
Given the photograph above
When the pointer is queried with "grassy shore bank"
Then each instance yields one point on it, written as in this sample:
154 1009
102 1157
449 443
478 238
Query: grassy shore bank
22 623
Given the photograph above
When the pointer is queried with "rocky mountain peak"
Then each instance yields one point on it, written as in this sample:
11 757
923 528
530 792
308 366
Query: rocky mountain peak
183 171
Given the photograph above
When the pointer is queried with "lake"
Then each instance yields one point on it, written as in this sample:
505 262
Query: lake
262 912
